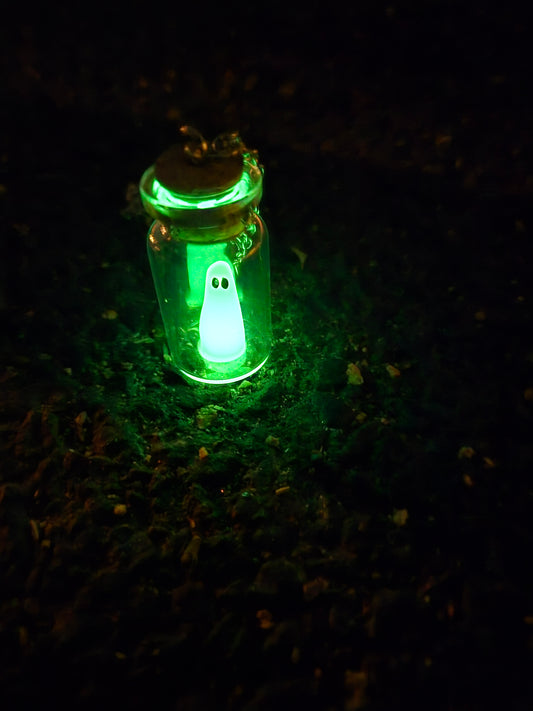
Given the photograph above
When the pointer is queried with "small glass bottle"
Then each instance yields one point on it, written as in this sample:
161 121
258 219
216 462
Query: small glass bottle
209 256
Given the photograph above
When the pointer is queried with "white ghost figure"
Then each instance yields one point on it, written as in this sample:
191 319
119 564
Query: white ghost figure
222 337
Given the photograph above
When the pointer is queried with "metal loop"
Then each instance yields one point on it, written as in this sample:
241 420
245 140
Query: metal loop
196 149
224 145
227 144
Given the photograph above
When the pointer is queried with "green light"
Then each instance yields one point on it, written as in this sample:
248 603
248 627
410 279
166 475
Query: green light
228 380
166 198
222 337
208 252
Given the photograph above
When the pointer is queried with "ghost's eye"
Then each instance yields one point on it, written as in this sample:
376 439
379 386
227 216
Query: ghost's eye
214 283
225 283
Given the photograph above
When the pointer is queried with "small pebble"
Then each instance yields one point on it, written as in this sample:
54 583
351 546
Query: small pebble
120 510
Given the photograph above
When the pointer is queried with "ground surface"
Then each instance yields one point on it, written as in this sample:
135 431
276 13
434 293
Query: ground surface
351 528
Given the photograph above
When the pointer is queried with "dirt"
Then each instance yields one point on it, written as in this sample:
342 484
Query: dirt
350 528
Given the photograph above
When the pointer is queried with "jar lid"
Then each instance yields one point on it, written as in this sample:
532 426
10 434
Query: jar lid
210 176
202 192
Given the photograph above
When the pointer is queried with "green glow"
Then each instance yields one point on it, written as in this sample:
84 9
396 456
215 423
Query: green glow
222 337
166 198
225 381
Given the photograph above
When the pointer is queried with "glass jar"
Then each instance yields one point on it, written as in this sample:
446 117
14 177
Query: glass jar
209 256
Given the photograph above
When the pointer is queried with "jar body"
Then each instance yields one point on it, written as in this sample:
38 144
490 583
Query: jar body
214 299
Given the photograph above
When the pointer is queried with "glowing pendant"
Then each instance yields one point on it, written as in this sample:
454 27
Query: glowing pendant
209 256
222 337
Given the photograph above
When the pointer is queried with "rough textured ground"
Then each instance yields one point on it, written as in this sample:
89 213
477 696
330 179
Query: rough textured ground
351 528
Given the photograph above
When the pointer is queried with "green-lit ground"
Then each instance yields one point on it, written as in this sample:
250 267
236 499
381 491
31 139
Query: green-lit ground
350 528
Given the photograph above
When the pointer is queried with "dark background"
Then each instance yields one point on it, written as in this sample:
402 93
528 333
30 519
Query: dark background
304 538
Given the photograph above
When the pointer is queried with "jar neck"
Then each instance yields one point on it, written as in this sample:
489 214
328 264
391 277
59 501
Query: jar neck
205 218
229 227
